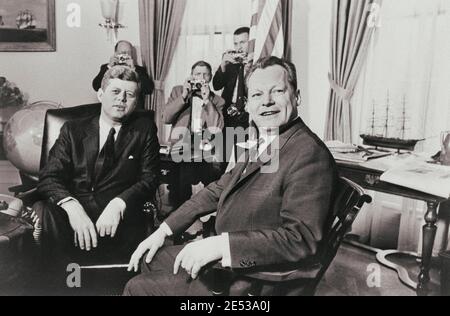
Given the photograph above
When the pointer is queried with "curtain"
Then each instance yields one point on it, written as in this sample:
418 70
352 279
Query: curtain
351 34
160 26
408 66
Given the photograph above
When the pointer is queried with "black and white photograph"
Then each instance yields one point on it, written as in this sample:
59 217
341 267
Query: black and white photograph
214 149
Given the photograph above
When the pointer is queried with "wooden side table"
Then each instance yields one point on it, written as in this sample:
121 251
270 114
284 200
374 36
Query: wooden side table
370 179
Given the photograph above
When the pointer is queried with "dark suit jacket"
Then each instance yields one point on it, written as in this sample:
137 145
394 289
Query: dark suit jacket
178 113
227 81
147 85
275 221
69 171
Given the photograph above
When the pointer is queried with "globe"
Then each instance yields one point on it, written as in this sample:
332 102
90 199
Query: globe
22 137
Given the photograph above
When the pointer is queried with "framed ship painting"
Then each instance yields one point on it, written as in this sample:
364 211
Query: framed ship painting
27 26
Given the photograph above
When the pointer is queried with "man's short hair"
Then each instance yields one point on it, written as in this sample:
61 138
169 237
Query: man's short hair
202 63
123 73
267 62
242 30
121 42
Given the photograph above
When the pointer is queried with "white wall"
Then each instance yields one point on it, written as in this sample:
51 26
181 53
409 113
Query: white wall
311 54
65 76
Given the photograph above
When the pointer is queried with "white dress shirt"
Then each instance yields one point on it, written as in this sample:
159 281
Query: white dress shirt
105 127
196 115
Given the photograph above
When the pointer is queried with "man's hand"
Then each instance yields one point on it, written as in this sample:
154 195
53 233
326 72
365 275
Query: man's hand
187 89
85 234
249 63
226 60
112 61
152 244
130 63
110 219
115 60
198 254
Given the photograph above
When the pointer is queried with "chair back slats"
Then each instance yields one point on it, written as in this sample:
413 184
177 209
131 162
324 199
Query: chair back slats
348 201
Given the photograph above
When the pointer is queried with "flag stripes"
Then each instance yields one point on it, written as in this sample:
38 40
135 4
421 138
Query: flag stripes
266 35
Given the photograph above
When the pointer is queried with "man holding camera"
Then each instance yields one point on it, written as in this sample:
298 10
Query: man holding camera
123 57
231 76
192 109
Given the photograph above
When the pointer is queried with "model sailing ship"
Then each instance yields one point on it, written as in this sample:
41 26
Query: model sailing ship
25 20
384 140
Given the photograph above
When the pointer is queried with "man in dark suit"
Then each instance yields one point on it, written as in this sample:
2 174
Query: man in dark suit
99 174
123 55
192 109
273 212
231 76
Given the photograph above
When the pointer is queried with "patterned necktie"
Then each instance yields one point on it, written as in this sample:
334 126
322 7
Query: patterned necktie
105 160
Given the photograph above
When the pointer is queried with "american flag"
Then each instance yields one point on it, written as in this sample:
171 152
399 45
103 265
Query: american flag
266 34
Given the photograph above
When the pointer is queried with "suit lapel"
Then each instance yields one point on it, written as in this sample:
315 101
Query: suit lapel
237 173
91 145
254 167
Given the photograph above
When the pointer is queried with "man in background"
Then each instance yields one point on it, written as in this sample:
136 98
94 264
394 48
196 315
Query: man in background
231 76
192 109
123 56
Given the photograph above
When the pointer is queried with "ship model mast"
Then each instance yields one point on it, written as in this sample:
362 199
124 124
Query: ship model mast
25 20
384 141
403 128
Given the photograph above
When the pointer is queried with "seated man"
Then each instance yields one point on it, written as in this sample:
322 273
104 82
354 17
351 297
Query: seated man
123 56
192 109
99 174
268 219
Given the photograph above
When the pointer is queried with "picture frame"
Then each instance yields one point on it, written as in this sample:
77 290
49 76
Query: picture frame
27 26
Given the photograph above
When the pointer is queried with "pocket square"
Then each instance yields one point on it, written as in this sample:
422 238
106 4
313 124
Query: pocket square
131 158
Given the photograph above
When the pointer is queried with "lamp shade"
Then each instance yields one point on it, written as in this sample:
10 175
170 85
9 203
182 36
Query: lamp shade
108 9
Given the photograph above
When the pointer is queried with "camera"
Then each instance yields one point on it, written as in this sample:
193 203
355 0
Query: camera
233 111
239 57
122 59
197 84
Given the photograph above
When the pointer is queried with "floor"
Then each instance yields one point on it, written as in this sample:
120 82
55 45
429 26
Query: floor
351 274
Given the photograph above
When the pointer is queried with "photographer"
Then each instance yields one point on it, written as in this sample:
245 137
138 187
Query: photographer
123 56
231 78
193 108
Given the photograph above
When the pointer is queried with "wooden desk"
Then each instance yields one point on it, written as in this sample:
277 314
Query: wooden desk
370 180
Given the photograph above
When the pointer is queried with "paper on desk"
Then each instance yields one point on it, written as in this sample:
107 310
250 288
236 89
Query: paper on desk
385 163
337 146
421 176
